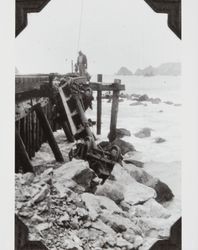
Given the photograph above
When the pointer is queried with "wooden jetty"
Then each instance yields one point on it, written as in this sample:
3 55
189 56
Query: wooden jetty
34 119
116 87
35 125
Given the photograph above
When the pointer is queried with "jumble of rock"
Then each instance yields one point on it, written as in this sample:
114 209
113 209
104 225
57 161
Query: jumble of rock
68 209
145 132
142 100
124 146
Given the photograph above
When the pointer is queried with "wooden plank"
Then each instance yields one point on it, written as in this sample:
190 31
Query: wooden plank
114 113
99 106
22 96
30 82
48 132
67 110
95 86
37 141
30 135
33 133
67 131
27 133
40 133
24 131
18 126
21 154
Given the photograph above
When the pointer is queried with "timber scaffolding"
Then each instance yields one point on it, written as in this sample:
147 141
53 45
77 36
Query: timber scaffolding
34 118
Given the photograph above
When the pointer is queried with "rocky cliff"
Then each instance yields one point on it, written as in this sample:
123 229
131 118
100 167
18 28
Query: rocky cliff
124 71
168 69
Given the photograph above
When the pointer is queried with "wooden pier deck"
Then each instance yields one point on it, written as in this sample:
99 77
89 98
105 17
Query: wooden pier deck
34 119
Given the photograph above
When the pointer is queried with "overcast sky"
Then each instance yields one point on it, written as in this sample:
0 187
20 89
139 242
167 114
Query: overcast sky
114 33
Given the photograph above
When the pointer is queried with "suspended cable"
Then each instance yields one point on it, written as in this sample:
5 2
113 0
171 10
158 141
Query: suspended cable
80 24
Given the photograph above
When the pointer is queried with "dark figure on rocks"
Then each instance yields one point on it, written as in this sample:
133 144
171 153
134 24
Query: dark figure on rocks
82 63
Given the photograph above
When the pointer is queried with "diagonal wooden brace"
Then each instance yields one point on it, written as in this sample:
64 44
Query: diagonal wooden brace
48 133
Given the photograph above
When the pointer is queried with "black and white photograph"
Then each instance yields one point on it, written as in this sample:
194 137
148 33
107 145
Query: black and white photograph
98 125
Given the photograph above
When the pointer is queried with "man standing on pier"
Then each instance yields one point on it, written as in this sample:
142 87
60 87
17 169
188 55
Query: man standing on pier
82 63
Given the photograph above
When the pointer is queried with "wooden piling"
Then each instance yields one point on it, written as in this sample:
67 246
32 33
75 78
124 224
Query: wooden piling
67 131
114 110
21 155
99 105
37 134
27 133
48 133
34 132
24 131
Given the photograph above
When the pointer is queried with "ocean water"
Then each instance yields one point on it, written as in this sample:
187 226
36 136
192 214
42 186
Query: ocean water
162 160
162 118
165 87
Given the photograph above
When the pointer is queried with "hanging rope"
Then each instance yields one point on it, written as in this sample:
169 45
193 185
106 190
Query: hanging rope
80 24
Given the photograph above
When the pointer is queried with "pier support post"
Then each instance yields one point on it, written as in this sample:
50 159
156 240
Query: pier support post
21 156
48 133
114 110
67 131
99 105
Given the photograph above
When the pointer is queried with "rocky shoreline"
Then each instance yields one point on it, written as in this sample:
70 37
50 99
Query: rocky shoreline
65 206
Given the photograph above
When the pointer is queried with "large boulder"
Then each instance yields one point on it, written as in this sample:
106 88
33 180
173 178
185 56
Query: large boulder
121 132
97 204
133 191
143 98
75 175
111 190
163 192
119 223
155 100
145 132
124 146
150 208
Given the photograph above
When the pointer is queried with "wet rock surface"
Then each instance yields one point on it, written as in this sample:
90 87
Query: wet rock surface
124 146
159 140
121 132
163 192
144 100
62 211
143 133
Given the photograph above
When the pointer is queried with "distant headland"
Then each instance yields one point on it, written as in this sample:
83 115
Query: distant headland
124 72
165 69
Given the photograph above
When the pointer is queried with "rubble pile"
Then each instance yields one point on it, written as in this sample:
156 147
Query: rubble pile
67 208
